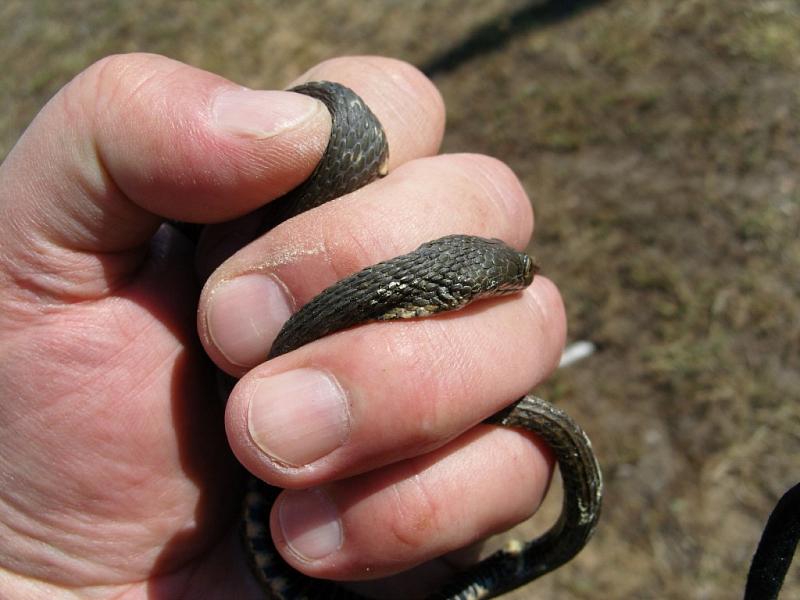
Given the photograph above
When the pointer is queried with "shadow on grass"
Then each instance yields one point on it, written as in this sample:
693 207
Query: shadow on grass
495 34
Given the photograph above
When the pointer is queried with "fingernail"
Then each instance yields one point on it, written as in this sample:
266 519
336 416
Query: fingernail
298 416
261 114
310 524
244 317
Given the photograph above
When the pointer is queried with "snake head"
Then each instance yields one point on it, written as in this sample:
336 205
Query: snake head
511 270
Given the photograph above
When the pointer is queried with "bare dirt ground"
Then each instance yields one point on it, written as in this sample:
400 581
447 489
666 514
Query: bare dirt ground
660 143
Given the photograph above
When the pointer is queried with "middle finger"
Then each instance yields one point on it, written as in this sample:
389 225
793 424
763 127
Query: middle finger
387 391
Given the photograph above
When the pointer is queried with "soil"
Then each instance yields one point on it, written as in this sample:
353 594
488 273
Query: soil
660 144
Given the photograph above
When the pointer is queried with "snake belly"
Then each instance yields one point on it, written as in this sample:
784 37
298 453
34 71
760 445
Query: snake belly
445 274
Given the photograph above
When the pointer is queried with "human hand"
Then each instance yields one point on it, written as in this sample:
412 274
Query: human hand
115 473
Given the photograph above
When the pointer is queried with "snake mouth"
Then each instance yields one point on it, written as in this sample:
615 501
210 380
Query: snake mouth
529 269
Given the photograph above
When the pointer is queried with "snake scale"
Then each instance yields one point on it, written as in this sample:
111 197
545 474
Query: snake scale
441 275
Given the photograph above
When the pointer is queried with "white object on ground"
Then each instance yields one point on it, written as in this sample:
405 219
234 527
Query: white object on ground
575 352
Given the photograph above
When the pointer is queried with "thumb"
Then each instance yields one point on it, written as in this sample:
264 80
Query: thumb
135 139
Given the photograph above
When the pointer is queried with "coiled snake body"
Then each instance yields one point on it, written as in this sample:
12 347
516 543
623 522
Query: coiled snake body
444 274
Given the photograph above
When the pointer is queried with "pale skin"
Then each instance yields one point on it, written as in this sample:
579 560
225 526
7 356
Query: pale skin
118 460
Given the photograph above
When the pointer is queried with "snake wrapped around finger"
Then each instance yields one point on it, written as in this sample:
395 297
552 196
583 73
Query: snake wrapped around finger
442 275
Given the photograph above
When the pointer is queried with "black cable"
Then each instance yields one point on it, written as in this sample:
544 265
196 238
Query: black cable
776 549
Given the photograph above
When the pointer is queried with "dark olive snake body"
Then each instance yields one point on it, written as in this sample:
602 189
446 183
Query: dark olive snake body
444 274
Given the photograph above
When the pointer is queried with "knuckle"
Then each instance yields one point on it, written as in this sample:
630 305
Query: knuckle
409 82
110 82
117 66
492 191
416 516
355 242
500 186
121 70
400 72
500 174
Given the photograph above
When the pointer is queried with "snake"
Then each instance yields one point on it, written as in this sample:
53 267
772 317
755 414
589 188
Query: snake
441 275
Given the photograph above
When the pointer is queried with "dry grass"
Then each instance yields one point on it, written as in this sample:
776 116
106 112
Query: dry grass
660 142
